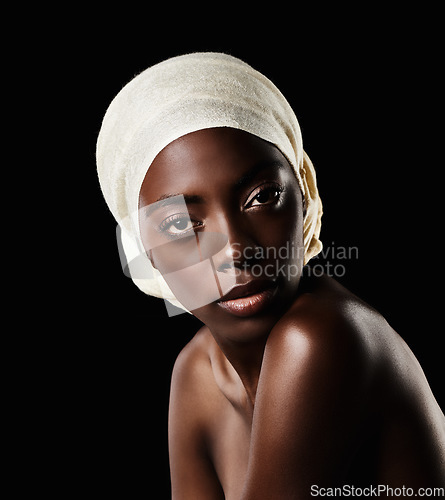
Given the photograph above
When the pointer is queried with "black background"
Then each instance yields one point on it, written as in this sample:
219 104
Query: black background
364 87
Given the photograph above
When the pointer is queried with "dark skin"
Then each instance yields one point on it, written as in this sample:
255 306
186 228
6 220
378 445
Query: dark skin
315 388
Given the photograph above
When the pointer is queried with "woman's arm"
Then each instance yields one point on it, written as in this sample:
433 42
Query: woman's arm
308 411
192 474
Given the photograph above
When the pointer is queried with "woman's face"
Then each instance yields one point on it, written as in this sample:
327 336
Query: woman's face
221 217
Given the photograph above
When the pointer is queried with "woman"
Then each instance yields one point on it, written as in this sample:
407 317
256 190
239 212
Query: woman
293 384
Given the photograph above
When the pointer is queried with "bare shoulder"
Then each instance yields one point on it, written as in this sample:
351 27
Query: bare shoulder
332 328
194 395
350 344
337 384
313 391
322 354
193 364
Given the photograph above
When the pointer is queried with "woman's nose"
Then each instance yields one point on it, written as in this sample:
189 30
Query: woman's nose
239 251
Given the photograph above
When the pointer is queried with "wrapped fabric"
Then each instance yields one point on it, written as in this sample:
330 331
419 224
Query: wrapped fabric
179 96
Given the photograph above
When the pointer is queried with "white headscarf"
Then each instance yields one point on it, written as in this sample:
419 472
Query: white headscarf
179 96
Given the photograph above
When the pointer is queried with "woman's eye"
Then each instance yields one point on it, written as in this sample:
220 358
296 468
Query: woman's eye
264 196
176 225
180 225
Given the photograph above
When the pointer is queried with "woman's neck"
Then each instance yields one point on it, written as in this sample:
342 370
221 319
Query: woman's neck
245 359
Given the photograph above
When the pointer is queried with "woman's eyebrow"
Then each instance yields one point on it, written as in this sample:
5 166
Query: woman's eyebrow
255 170
171 199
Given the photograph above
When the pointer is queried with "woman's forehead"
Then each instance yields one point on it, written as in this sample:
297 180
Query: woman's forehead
208 158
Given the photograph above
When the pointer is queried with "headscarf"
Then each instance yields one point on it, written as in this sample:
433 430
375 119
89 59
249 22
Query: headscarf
178 96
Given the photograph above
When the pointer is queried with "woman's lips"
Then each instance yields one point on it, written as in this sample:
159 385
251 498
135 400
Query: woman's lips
250 298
